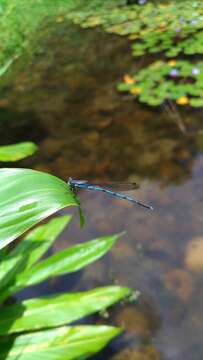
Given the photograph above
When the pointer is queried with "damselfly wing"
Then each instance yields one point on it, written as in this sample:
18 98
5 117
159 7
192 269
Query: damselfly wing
111 185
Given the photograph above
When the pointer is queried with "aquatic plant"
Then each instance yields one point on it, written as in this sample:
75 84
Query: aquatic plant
178 80
18 151
19 269
172 27
165 27
39 326
20 38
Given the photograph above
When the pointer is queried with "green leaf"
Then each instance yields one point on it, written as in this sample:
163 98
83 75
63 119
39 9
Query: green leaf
65 343
42 237
57 310
26 197
124 87
17 151
63 262
196 102
28 251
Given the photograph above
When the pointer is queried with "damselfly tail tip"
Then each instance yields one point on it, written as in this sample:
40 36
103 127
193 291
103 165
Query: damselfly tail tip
146 205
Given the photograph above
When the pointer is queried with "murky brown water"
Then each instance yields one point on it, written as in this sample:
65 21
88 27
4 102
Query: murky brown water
66 101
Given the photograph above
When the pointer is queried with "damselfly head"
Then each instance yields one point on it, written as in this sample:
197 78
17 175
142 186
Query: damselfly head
73 182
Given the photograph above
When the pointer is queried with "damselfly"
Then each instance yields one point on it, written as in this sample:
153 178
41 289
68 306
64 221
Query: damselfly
110 188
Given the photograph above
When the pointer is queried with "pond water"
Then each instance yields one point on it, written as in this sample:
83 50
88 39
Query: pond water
65 99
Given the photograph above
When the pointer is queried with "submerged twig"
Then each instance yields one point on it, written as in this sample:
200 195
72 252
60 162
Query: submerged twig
172 111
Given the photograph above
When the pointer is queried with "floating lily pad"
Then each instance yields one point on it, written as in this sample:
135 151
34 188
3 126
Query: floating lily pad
181 81
174 27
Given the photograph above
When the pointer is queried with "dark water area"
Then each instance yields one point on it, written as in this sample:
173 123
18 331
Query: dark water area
65 99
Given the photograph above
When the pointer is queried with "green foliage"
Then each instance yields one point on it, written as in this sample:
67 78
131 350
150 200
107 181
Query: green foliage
181 81
17 271
169 27
31 249
65 343
18 151
64 309
165 27
26 197
21 21
172 27
64 262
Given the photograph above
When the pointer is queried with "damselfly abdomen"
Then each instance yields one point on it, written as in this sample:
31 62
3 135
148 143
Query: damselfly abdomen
110 188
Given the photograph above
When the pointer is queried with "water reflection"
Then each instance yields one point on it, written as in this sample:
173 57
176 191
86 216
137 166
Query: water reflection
66 99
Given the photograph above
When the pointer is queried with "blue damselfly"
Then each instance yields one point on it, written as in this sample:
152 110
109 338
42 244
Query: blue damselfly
110 188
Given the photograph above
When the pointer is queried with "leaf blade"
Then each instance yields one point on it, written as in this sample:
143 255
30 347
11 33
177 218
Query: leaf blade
57 310
26 197
17 151
44 235
30 249
65 343
66 261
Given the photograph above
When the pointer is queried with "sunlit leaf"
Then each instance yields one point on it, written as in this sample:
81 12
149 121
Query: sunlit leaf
65 343
28 251
43 237
66 261
17 151
26 197
57 310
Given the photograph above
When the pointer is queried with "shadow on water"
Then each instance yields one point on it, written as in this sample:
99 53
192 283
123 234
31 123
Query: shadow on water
66 100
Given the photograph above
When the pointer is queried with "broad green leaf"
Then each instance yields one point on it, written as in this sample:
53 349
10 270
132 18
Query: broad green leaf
65 343
30 249
63 262
57 310
26 197
17 151
38 241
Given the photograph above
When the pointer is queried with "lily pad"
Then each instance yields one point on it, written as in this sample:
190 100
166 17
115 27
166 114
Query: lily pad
170 27
178 80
